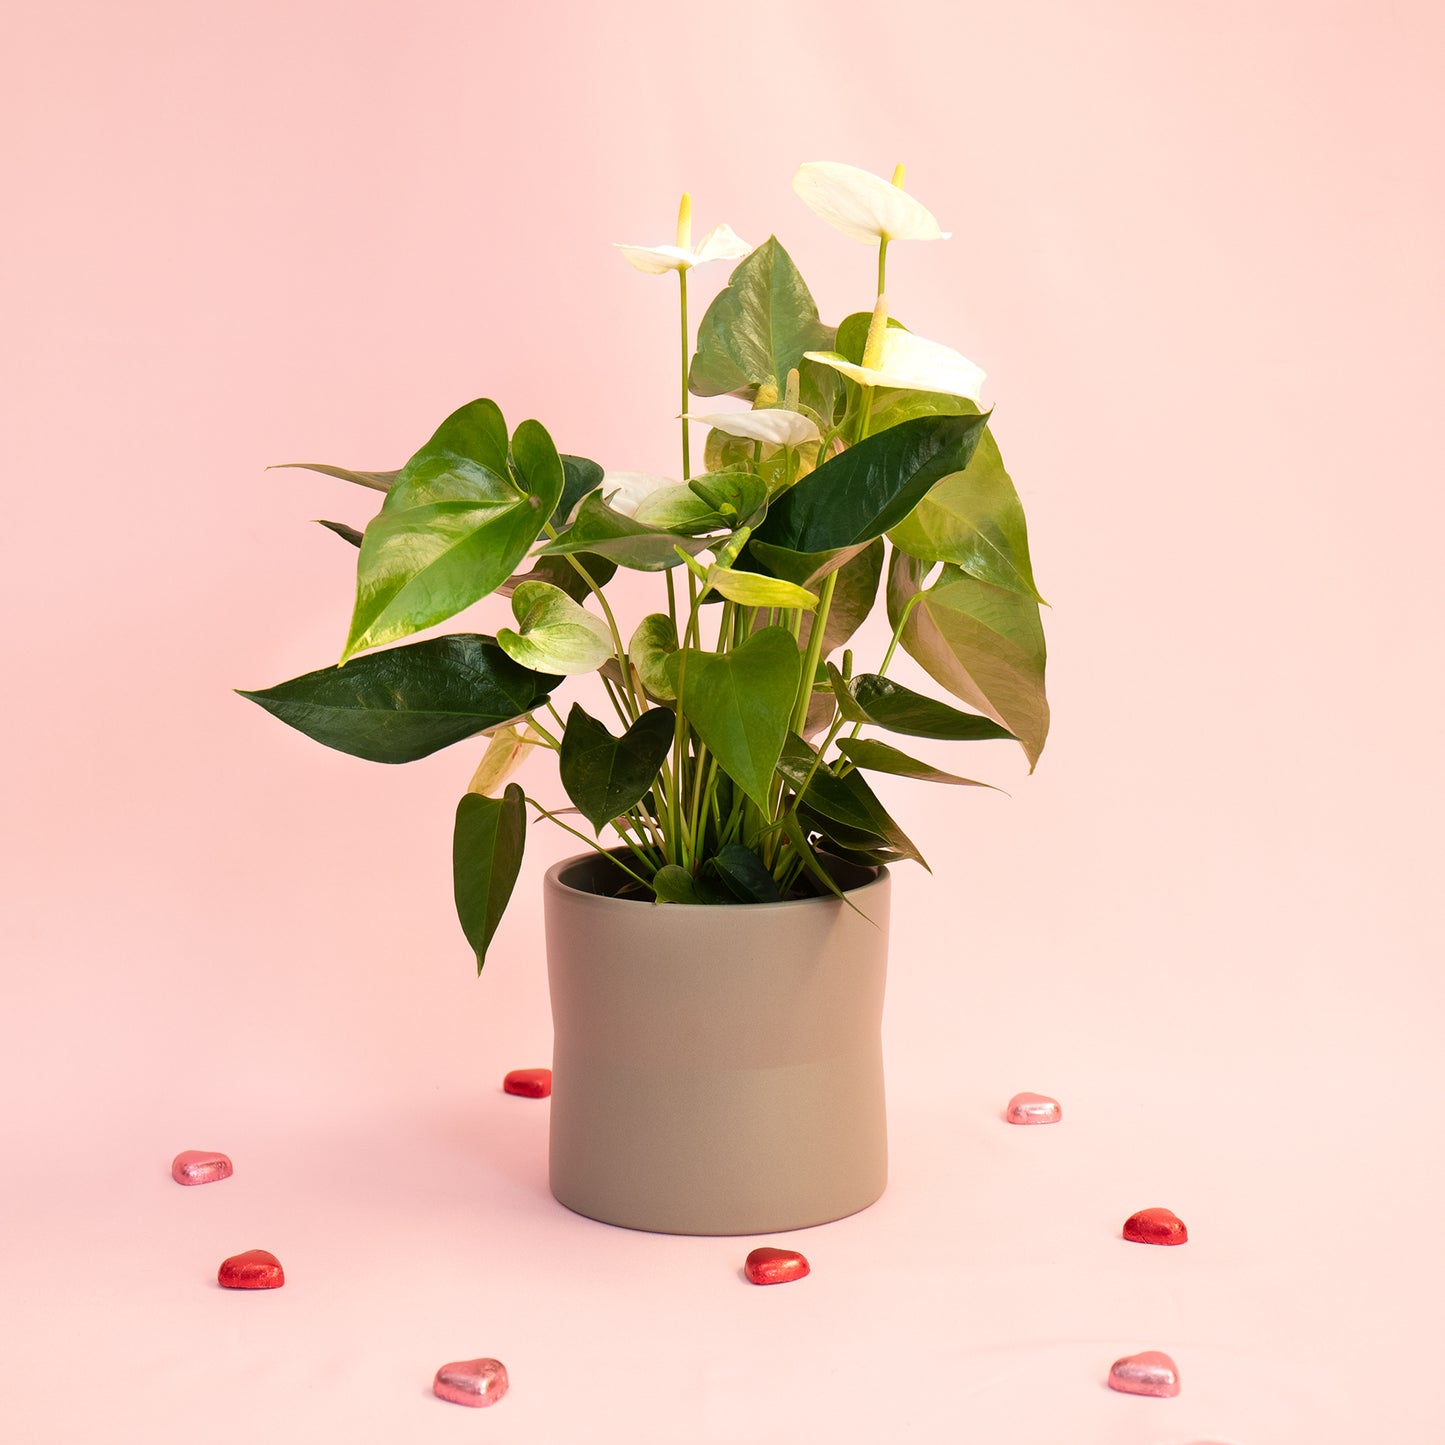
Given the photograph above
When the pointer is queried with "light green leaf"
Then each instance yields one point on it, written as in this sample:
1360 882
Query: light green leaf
652 644
487 845
608 533
676 885
985 644
678 508
555 633
739 702
757 328
750 589
738 497
453 527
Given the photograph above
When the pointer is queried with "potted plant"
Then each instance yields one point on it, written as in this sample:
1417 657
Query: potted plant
717 1065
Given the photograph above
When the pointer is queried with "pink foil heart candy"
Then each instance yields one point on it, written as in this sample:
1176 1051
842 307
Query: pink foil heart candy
1155 1226
1033 1109
471 1382
256 1269
529 1083
775 1266
1152 1373
200 1166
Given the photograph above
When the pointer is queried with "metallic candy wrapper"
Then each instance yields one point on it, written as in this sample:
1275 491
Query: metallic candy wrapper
1033 1109
471 1382
529 1083
1151 1373
256 1269
775 1266
1155 1226
200 1166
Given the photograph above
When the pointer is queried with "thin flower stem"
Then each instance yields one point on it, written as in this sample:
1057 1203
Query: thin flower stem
591 843
686 348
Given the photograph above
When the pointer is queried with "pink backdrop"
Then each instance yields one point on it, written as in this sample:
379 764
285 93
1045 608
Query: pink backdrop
1198 249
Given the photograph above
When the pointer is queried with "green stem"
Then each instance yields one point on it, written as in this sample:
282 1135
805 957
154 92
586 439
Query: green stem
815 651
591 843
686 459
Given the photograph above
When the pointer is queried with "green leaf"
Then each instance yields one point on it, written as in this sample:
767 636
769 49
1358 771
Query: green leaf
796 832
887 704
376 481
401 704
487 846
678 509
559 572
751 589
845 800
556 634
871 487
605 776
735 496
984 644
973 518
347 534
740 702
620 539
878 757
852 336
673 884
580 476
454 526
652 644
758 327
803 569
745 875
854 594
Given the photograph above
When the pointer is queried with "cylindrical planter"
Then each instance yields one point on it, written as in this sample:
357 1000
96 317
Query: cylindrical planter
716 1070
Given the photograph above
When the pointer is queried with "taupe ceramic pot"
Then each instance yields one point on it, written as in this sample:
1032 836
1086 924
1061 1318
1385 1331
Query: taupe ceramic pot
716 1070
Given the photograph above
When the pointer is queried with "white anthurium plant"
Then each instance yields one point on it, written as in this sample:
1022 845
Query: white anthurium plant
745 741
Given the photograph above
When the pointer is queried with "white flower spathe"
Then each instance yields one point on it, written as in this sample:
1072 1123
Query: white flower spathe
864 206
721 243
775 425
626 491
911 363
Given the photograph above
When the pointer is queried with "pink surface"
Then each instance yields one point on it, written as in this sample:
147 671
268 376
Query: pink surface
1198 252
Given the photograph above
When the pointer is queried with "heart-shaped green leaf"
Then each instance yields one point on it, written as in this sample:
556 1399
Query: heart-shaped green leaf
871 487
745 874
984 644
597 528
739 702
887 704
758 326
487 844
401 704
738 497
453 527
652 644
605 776
973 518
555 634
878 757
580 476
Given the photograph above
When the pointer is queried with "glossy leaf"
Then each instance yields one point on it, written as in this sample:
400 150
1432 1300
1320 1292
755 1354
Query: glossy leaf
559 572
403 703
854 594
454 527
738 497
751 589
347 534
974 519
678 508
745 875
487 845
652 644
507 748
803 569
376 481
601 530
876 757
758 327
579 476
984 644
887 704
605 776
739 703
555 634
676 885
871 487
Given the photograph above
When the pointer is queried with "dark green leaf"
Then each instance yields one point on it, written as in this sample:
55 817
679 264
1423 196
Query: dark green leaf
610 534
758 327
878 757
871 487
887 704
403 703
487 846
740 703
454 526
805 569
746 874
559 572
580 477
347 534
984 644
605 776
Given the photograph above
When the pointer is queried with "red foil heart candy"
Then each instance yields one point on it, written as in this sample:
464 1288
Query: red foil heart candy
1155 1226
529 1083
1033 1109
775 1266
256 1269
1151 1373
471 1382
200 1166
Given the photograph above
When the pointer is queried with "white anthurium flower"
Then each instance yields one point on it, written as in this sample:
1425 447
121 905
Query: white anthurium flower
721 243
895 357
625 492
776 425
863 205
